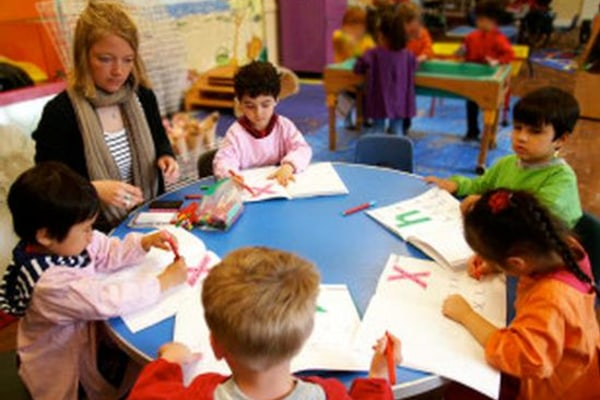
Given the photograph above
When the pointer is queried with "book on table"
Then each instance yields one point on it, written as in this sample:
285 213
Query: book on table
319 179
432 222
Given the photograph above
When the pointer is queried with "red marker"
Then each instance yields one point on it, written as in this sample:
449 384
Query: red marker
359 208
241 182
477 272
389 355
193 196
173 246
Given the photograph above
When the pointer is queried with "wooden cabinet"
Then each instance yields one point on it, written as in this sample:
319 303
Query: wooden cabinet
305 30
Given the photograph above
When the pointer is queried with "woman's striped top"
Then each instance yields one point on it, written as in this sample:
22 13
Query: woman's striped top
119 148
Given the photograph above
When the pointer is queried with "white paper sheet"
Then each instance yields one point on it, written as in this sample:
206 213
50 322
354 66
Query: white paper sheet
156 260
430 341
318 179
330 346
432 222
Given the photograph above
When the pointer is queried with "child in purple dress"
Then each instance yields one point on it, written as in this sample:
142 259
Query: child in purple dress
390 76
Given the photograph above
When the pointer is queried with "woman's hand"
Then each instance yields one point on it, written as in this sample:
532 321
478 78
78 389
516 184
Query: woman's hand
379 368
118 194
284 175
169 168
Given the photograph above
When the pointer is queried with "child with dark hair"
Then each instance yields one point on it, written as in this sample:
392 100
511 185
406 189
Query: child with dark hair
390 75
552 345
352 39
261 137
543 120
485 45
52 284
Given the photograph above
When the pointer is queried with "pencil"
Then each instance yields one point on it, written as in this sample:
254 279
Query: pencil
241 183
389 355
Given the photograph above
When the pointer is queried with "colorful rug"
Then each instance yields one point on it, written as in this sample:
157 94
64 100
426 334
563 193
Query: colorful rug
562 60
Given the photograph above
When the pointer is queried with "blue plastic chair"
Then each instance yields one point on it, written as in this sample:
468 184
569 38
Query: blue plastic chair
384 150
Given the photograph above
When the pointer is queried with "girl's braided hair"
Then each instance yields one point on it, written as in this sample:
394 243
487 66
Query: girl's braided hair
504 223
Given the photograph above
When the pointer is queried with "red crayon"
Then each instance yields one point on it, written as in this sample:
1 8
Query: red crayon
173 246
389 355
241 182
193 196
359 208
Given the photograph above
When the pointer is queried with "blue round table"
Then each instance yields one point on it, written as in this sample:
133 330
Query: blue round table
352 250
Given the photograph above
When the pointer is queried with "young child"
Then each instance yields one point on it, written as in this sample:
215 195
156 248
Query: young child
259 305
419 40
486 45
552 345
52 281
261 137
542 122
352 40
390 75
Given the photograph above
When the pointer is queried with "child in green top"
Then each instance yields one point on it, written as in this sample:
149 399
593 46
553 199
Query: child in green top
542 122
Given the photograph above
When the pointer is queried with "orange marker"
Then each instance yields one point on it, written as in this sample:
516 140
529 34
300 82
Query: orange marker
243 185
389 355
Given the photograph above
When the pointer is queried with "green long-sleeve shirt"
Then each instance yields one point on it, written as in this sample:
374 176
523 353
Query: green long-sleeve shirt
554 184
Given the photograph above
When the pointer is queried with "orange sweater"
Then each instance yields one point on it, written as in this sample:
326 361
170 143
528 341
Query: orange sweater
422 44
553 343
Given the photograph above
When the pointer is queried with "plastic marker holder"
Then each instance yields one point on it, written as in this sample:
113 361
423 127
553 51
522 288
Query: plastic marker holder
359 208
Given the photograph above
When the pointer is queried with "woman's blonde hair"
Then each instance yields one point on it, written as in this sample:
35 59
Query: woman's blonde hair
98 20
259 305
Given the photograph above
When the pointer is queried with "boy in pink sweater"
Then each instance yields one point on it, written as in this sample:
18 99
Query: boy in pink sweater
52 282
261 137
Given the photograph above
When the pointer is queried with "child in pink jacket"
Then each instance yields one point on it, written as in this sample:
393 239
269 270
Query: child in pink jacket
261 137
52 282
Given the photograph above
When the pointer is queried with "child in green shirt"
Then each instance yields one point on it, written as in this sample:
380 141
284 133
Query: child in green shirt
542 122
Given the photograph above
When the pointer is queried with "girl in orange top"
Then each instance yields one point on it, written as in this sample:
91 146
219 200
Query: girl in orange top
419 39
552 345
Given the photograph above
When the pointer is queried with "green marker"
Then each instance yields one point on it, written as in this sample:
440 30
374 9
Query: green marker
320 309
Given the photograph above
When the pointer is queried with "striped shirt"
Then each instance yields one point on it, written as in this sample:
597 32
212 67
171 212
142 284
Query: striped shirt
119 148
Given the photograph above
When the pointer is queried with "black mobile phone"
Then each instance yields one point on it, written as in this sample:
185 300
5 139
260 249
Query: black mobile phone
165 205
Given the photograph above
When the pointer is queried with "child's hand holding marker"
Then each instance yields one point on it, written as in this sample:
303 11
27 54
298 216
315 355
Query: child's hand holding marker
387 355
284 174
160 240
175 274
239 180
477 268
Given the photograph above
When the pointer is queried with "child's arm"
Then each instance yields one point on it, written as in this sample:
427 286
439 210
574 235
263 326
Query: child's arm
427 46
298 152
504 50
64 295
560 194
457 309
228 158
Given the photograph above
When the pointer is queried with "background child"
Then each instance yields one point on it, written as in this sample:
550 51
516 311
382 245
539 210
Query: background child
52 282
553 343
390 75
259 305
542 122
352 40
261 137
485 45
418 37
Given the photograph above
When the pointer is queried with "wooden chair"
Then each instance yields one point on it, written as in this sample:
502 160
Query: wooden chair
205 163
588 231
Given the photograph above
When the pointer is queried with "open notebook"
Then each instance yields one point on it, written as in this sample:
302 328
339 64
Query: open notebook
408 302
432 222
329 347
318 179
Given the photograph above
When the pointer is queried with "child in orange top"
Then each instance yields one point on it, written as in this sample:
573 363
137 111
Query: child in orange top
485 45
418 37
553 343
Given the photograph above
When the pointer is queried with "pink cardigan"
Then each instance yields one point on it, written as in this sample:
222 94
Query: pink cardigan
240 150
56 337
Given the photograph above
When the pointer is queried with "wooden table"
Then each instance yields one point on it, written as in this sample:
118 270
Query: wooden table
483 84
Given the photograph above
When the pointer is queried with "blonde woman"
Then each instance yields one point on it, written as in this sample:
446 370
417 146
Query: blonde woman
106 126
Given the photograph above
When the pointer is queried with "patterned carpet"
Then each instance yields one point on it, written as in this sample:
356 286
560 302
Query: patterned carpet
437 140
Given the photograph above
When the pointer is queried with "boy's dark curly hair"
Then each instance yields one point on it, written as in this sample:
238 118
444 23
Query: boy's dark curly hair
256 79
